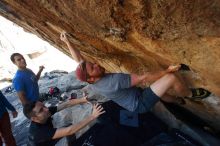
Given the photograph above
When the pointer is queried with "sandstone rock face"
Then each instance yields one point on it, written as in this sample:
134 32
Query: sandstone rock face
134 36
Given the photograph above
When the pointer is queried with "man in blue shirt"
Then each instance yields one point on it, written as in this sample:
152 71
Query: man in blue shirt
5 125
25 81
122 88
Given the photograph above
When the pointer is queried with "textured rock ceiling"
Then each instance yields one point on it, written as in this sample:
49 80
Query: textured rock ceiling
134 36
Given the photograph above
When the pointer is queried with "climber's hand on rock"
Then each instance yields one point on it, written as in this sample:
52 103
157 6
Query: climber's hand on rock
63 37
173 68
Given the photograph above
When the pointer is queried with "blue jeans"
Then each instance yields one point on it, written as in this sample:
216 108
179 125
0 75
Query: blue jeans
147 100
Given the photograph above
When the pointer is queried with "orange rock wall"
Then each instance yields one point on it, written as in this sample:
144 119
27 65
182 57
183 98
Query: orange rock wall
131 35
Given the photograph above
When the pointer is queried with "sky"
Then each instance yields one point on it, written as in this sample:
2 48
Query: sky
14 39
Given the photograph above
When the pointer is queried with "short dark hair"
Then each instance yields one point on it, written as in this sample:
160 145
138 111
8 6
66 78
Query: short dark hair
13 56
28 109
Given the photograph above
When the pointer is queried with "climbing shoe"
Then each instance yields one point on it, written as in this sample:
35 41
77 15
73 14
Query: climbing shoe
199 93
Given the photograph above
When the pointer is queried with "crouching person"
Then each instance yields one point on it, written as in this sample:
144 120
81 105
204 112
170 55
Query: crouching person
42 132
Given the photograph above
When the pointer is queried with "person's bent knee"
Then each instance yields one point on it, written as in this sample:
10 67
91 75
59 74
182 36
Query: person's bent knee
171 77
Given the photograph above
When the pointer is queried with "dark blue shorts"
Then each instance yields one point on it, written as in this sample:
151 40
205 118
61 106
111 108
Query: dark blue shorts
147 100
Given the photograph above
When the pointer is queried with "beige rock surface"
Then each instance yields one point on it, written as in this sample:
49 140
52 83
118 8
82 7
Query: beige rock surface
134 36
